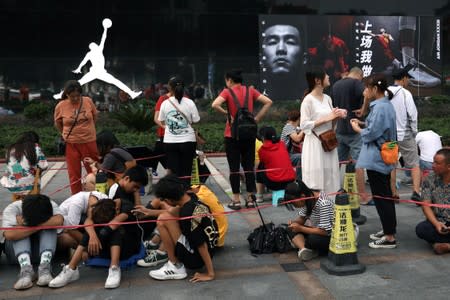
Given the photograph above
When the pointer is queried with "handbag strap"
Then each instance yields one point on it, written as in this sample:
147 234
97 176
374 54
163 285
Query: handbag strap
76 119
178 110
332 127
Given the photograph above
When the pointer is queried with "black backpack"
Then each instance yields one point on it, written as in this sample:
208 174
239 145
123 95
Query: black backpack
244 126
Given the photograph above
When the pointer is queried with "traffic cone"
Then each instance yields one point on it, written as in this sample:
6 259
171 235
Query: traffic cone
195 176
351 187
342 255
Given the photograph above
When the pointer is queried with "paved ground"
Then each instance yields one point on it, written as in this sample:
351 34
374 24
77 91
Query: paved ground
411 271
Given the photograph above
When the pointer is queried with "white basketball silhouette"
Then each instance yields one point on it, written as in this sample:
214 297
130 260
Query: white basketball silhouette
107 23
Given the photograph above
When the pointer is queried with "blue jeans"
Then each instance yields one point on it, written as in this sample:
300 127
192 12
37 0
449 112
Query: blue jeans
35 244
425 165
349 146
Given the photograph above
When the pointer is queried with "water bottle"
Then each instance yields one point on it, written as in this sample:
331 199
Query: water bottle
101 184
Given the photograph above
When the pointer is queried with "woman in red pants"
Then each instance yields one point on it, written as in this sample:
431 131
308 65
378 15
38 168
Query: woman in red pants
75 118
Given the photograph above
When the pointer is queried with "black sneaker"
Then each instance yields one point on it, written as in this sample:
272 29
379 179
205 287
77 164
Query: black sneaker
383 243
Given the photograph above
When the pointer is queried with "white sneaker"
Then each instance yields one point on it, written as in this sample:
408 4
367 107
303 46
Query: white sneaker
169 271
66 276
306 254
113 280
25 280
376 236
44 274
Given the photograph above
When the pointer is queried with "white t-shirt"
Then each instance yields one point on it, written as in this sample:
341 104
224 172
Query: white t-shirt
405 111
14 209
73 207
429 142
178 129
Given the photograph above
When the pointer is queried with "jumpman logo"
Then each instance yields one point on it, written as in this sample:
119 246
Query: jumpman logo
97 70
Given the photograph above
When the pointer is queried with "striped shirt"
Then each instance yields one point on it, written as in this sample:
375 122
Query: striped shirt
322 213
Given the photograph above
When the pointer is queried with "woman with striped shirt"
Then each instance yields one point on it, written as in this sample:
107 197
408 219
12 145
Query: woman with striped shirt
310 232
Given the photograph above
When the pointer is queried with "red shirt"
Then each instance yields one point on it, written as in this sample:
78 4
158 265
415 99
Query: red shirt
240 91
160 130
276 156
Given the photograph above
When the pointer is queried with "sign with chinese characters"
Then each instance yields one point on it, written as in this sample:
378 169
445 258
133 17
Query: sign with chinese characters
291 44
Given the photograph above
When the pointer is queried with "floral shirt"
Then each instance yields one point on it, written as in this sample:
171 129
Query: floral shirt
434 189
19 177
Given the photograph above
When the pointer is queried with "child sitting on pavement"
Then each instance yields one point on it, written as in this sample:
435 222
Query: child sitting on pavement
124 240
311 231
24 246
189 242
156 253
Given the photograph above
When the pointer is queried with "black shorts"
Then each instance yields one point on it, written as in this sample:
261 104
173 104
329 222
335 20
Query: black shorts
190 258
115 239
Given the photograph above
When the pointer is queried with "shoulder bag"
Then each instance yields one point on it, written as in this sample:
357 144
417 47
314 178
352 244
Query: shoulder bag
61 142
328 139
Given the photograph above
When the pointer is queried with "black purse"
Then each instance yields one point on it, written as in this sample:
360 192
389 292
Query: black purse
60 141
262 239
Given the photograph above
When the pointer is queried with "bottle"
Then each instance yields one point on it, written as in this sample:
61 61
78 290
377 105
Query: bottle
101 184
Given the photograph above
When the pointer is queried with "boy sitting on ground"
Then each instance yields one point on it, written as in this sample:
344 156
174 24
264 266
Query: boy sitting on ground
156 253
101 213
124 243
27 245
189 242
74 210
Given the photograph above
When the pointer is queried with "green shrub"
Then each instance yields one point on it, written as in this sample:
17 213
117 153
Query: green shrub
37 111
137 116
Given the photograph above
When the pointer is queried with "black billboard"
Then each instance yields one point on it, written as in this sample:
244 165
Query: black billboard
289 44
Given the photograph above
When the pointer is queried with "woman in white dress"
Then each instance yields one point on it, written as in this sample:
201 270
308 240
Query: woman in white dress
320 169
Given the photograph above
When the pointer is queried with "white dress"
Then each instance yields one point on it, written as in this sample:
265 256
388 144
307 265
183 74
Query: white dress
320 169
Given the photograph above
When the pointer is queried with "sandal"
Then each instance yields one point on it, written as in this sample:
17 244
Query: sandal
234 205
250 203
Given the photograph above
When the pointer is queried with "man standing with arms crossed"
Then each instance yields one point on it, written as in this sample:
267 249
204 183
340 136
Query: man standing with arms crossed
347 93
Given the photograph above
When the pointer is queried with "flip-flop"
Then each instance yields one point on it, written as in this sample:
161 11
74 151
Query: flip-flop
234 205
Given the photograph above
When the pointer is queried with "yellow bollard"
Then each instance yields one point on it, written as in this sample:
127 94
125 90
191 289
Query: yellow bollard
342 255
351 187
195 178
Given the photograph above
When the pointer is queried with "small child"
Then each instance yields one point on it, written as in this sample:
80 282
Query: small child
24 161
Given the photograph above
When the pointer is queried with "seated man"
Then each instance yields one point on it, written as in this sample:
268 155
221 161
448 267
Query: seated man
436 189
189 242
74 210
27 245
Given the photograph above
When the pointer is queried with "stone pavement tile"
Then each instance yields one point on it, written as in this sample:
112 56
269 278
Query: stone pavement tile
418 279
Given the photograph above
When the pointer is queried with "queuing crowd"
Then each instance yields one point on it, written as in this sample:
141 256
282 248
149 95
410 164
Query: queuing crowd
362 115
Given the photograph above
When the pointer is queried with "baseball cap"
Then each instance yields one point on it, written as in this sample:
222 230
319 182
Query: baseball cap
403 72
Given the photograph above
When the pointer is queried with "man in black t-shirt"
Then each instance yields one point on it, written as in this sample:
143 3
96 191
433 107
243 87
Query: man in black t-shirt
347 93
189 241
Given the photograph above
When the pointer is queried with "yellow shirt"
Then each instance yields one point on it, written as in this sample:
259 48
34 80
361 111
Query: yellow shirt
209 198
258 145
